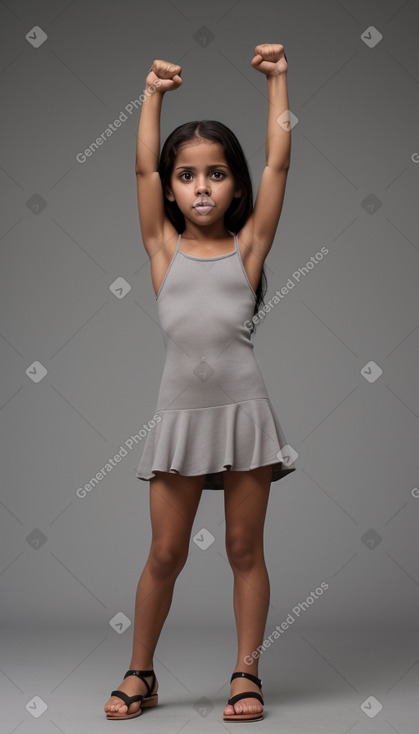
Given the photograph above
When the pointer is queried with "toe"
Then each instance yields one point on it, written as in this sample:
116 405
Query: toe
114 706
229 710
245 706
250 706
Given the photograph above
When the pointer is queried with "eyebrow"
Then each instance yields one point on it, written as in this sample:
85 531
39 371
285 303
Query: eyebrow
214 165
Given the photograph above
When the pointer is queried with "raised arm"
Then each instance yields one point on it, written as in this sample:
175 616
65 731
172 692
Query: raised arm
163 77
262 224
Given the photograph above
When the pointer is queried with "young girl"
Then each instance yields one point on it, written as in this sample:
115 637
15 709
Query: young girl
214 427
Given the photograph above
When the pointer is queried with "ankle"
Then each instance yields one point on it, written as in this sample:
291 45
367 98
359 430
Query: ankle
135 665
243 669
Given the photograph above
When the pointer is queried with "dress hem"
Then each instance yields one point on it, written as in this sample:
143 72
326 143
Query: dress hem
278 472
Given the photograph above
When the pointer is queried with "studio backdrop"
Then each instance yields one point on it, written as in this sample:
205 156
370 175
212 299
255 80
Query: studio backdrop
337 340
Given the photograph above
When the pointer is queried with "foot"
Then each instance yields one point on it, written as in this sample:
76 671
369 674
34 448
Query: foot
132 686
245 705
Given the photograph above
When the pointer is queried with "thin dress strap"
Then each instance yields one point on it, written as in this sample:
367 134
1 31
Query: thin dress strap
236 241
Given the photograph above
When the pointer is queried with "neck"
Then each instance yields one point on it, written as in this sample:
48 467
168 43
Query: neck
215 231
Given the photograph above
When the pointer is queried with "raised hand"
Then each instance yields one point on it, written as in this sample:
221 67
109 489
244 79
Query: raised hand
270 59
167 73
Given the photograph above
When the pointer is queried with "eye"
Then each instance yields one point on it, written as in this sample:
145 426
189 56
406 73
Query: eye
185 173
220 173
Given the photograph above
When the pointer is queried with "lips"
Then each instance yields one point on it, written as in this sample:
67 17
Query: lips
203 208
206 201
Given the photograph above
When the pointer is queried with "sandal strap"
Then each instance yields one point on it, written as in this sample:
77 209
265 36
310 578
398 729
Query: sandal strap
251 677
247 694
128 700
141 674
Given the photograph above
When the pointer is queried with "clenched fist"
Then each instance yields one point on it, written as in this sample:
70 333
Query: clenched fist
166 73
270 59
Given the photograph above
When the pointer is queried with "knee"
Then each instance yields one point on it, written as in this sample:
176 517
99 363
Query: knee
165 560
242 552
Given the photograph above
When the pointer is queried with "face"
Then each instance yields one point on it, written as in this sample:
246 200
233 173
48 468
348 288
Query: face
201 173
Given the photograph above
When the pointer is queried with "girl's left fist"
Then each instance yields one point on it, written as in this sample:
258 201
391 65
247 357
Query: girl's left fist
270 59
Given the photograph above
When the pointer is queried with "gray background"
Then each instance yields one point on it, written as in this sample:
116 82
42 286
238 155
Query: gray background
348 515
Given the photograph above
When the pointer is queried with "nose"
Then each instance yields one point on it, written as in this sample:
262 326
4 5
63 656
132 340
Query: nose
202 185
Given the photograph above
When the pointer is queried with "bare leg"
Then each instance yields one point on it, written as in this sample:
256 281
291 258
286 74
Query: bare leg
246 499
174 500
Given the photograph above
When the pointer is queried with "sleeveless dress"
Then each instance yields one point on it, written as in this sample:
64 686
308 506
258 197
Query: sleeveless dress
213 411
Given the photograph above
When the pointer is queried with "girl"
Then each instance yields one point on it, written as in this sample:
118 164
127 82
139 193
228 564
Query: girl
215 427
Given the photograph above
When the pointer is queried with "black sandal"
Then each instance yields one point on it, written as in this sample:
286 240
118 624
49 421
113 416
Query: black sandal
246 694
151 699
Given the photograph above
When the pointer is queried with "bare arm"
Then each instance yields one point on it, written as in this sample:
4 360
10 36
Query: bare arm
163 77
263 222
278 136
148 134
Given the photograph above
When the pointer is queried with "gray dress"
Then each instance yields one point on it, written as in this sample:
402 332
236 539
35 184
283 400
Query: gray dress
213 411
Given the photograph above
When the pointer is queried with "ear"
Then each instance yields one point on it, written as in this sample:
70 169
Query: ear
237 193
169 194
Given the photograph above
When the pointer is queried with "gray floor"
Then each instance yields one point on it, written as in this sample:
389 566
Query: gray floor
313 680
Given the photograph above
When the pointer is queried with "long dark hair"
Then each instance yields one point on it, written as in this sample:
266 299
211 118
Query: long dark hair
240 208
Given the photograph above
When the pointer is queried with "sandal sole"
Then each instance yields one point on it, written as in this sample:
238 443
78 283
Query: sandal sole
242 717
126 716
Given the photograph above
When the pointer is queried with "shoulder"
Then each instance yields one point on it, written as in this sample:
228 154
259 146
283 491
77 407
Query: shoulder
161 251
250 249
245 236
251 257
254 248
162 247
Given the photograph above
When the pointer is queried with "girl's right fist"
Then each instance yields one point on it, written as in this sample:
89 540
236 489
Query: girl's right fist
168 74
